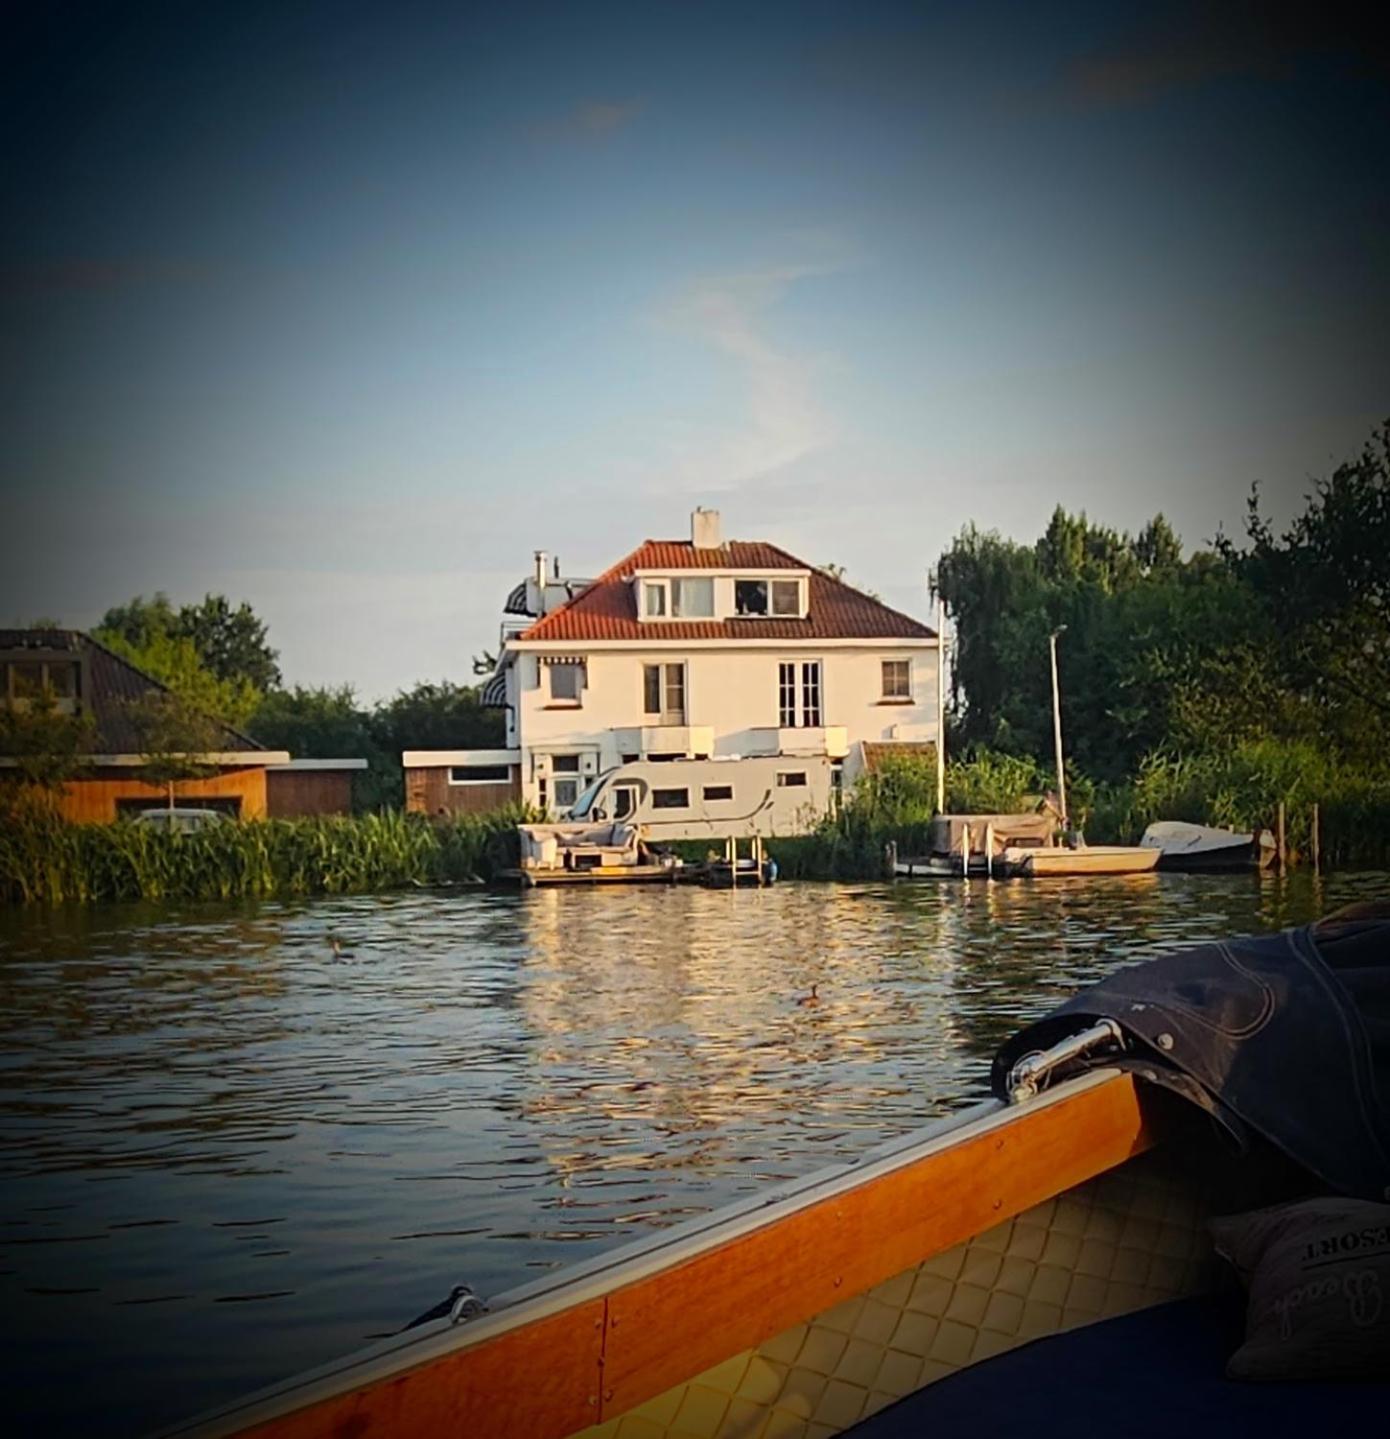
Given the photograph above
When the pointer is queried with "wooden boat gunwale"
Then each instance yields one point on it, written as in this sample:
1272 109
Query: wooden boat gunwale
631 1276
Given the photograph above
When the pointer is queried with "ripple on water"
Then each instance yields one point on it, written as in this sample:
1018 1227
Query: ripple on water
273 1151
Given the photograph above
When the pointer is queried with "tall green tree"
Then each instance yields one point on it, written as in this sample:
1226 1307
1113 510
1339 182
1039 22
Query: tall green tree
174 661
47 746
230 642
176 739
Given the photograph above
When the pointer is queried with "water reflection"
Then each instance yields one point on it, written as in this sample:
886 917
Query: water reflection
269 1148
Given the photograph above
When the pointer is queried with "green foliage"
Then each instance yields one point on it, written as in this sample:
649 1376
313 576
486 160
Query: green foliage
175 739
174 661
230 643
1286 640
46 745
47 861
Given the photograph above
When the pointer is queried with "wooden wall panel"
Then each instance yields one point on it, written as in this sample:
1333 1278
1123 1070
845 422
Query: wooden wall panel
292 793
93 800
428 791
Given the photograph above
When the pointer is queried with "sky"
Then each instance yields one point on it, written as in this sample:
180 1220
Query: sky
345 310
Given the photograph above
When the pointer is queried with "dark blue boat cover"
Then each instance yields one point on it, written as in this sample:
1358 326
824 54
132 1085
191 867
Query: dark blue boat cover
1286 1035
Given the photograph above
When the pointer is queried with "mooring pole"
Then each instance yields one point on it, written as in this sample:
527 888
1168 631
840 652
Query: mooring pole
1279 838
940 705
1057 728
1317 841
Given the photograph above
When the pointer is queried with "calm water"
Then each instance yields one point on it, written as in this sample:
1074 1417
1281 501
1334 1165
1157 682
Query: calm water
227 1155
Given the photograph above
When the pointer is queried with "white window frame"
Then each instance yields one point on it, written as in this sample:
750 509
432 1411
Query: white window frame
575 701
662 588
678 583
884 694
773 611
665 715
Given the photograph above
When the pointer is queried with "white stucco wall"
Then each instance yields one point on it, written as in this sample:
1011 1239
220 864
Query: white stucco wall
733 691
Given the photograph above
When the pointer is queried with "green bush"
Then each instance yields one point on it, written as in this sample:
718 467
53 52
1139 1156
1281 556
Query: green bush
44 859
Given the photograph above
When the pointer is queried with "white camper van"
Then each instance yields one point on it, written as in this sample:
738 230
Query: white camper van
712 798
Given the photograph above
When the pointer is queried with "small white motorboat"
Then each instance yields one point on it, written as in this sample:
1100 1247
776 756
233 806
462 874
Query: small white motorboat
1200 847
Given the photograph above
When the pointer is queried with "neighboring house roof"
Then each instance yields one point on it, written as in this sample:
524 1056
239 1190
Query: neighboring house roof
112 685
607 609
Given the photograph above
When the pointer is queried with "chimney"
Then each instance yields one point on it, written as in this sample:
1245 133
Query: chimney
540 568
704 529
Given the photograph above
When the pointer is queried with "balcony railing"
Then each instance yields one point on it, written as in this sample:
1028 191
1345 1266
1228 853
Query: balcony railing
688 741
831 740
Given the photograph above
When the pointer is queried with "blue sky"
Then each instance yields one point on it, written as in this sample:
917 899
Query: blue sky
345 310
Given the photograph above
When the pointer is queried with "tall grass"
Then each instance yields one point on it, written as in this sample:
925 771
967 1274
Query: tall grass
45 860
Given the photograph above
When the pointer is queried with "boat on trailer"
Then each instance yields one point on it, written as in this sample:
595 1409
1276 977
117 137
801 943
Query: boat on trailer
982 1275
1199 847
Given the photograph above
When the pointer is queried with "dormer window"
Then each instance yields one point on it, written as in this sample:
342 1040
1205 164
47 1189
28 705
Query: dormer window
755 599
654 600
22 681
692 599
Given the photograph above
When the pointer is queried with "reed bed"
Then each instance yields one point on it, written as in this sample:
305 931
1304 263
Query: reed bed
44 860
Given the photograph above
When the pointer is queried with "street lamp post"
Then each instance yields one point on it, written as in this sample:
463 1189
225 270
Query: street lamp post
1057 727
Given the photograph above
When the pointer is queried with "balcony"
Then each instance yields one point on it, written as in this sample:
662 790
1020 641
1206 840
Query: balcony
831 740
687 741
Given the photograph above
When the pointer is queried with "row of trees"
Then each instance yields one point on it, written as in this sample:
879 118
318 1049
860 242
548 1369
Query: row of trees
1279 638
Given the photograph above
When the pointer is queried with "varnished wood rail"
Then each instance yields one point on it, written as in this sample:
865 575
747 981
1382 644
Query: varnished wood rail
607 1352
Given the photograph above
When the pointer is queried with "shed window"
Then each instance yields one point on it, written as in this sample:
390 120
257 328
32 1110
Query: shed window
718 791
791 779
479 773
670 799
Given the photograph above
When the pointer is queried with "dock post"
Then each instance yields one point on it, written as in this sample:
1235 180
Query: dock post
1317 841
965 852
890 858
989 851
1279 846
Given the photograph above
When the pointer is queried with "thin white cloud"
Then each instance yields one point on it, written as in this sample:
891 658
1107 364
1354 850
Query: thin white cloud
783 421
589 120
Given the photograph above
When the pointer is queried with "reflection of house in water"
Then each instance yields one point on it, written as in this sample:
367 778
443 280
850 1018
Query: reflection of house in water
668 1036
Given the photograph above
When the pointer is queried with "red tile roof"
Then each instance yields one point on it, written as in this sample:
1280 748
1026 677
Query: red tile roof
607 609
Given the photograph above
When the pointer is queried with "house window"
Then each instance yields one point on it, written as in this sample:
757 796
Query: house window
22 681
809 712
566 681
479 774
786 598
565 768
670 799
750 597
786 694
810 693
718 791
654 601
897 679
692 599
663 692
791 779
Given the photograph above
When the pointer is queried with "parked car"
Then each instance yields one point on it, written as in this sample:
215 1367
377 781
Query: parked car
181 820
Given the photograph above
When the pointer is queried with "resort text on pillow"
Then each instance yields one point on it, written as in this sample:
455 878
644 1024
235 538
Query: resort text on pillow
1318 1275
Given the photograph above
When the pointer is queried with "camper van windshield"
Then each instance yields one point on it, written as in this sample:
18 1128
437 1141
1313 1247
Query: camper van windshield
581 807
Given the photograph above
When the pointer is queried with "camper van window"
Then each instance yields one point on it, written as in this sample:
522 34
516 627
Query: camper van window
791 779
693 599
718 791
750 597
624 801
581 807
670 799
786 597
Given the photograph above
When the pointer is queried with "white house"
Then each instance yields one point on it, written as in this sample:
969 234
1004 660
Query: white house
692 648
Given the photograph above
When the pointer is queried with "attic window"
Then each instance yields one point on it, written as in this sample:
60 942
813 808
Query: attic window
786 597
23 681
750 597
692 599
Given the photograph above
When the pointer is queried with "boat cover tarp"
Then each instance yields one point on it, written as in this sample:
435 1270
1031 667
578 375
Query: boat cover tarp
1286 1035
1004 829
